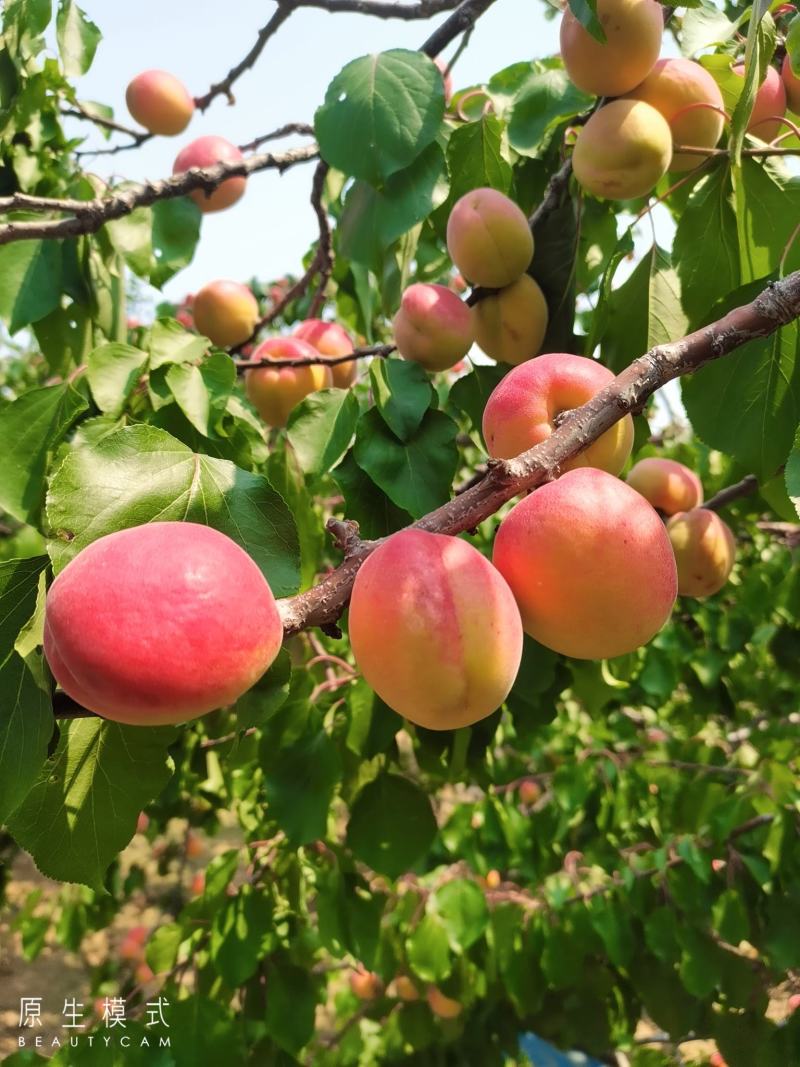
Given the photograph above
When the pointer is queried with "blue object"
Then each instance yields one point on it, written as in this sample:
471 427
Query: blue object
541 1054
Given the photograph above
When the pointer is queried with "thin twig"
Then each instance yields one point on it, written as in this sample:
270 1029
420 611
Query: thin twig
377 351
746 487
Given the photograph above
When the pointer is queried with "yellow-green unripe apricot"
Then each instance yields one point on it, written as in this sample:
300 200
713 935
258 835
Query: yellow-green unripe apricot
226 312
633 30
691 102
160 102
489 239
510 325
668 485
434 629
433 327
274 391
623 150
524 407
704 549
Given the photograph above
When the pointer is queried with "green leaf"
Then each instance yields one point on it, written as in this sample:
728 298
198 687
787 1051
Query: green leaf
701 963
758 53
30 428
704 26
793 474
730 917
240 935
416 475
141 474
65 338
613 925
26 726
553 267
461 906
545 100
202 1030
767 203
83 807
471 392
585 11
403 393
30 282
378 835
202 392
477 157
373 219
19 585
321 428
748 404
380 112
291 1005
171 343
428 950
113 371
365 504
175 233
299 782
285 476
77 37
162 947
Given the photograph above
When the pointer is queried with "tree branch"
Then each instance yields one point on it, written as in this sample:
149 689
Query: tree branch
746 487
91 215
778 305
384 9
379 351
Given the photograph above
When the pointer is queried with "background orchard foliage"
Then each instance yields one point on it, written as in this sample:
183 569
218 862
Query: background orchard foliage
620 842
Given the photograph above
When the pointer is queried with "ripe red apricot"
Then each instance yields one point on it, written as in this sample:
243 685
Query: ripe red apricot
160 102
365 984
510 325
791 85
442 1006
525 407
207 152
226 312
590 564
623 150
529 791
633 30
433 327
489 239
420 640
133 944
331 339
686 95
160 624
274 391
667 484
769 107
704 549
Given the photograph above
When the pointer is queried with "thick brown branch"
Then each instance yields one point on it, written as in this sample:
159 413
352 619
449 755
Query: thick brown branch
778 305
746 487
95 213
462 19
384 9
379 351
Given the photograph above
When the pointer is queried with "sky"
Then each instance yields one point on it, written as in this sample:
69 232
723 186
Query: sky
268 231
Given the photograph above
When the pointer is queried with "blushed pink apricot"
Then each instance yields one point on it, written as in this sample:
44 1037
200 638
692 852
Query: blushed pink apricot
590 564
433 327
331 339
791 84
447 78
666 484
207 152
770 104
524 408
690 100
510 325
160 624
434 629
705 551
633 30
159 102
275 391
226 312
489 239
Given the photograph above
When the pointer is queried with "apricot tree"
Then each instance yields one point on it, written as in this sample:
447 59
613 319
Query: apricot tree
516 748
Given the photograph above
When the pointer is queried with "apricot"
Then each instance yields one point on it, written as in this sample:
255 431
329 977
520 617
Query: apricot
623 150
160 624
365 984
510 325
274 391
207 152
489 239
433 327
686 95
590 564
493 879
403 988
525 406
226 312
704 549
791 85
769 107
529 791
331 339
160 102
417 634
447 79
667 484
441 1006
133 944
633 30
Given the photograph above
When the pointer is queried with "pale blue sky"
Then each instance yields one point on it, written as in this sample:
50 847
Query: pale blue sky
268 231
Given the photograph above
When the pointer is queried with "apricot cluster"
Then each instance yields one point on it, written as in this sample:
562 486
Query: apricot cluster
490 242
626 146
